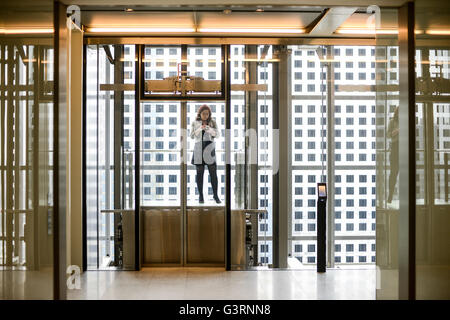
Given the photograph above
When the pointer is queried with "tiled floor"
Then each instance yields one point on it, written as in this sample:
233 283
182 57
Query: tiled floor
215 283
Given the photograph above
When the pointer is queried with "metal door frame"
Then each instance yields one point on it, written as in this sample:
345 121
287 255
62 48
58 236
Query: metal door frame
183 207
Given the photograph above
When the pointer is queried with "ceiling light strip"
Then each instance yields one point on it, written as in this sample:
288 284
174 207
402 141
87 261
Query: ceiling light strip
250 30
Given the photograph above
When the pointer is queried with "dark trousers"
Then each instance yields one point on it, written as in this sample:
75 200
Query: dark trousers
212 168
393 159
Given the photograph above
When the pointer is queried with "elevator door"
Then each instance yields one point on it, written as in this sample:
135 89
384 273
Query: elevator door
177 229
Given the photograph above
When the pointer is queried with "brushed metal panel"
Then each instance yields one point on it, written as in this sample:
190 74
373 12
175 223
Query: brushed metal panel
162 236
238 254
205 235
128 221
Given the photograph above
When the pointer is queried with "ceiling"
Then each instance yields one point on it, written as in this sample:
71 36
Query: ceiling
187 3
316 18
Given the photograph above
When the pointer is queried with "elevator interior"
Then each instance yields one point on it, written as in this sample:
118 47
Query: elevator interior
171 229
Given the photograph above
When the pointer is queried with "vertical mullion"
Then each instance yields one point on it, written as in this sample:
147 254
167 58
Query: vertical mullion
107 164
96 154
16 157
281 160
407 164
137 154
183 167
2 149
35 149
330 159
28 216
9 162
227 62
84 169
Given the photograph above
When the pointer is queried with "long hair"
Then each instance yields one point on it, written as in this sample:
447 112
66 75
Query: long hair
200 110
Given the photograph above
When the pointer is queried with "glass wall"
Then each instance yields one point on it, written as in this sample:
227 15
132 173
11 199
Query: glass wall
26 153
432 114
432 150
110 156
387 166
218 114
353 71
160 154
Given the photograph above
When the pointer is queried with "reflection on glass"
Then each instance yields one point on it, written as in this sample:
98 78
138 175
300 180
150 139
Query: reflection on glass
392 134
26 156
387 102
432 153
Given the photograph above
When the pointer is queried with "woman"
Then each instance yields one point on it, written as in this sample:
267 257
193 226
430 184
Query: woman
392 133
204 130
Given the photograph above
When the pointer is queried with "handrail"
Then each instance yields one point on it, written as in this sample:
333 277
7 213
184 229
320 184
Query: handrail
18 210
117 211
251 211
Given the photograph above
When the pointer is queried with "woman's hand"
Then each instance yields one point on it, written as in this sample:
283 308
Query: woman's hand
394 132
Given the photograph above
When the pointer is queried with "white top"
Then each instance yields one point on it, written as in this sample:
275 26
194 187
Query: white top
211 131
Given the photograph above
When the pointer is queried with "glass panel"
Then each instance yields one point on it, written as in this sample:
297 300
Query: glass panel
205 63
308 78
91 156
387 162
355 135
26 156
206 152
353 69
161 62
238 128
160 154
111 156
265 152
164 75
432 150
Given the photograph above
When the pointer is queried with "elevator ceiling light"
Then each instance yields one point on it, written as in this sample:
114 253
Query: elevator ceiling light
372 31
438 32
26 31
250 30
366 31
139 30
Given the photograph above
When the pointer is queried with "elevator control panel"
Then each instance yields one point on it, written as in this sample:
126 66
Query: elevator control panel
322 190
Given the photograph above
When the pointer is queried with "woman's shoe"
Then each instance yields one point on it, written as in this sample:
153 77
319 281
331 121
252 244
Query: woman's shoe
201 200
217 199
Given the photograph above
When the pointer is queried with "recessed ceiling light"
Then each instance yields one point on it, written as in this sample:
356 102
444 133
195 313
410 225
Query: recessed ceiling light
138 30
250 30
259 10
129 10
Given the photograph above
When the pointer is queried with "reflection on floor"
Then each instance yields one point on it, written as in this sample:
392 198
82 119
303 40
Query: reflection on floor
216 283
20 284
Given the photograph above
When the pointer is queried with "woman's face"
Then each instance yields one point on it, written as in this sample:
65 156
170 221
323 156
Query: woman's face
204 115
